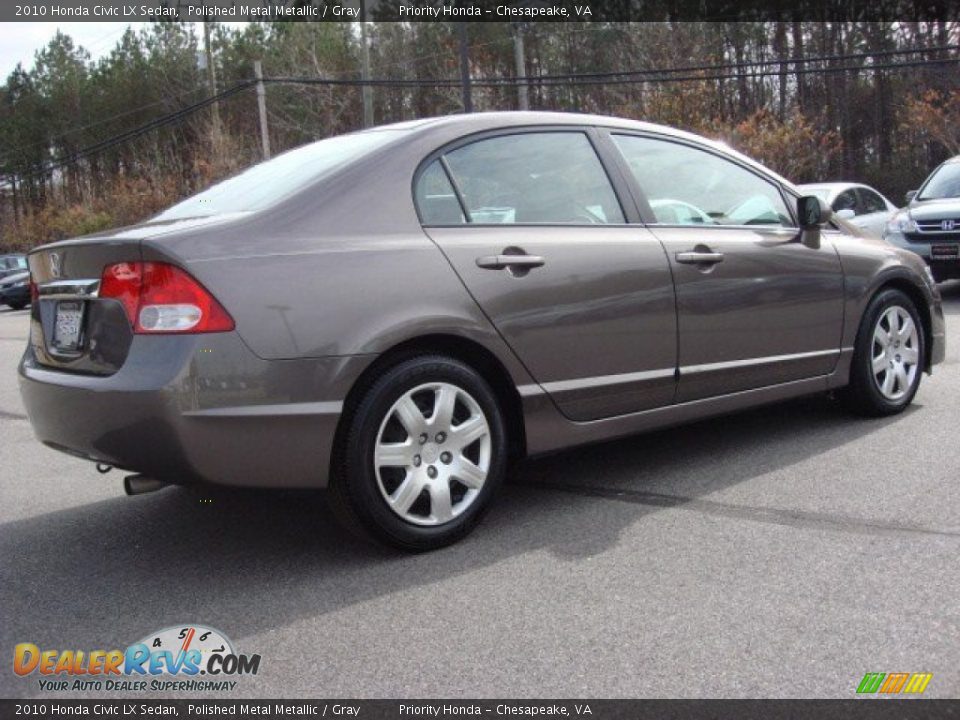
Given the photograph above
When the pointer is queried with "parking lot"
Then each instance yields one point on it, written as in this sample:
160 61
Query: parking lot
782 552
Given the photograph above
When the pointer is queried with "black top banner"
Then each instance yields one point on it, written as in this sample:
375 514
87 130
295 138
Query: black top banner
481 10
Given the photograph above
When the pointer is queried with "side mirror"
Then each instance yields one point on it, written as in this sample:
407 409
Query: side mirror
812 213
845 214
911 194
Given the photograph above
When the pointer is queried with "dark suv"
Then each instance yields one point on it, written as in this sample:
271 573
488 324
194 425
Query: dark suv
930 224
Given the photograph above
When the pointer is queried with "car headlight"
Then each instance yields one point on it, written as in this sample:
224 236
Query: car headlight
901 223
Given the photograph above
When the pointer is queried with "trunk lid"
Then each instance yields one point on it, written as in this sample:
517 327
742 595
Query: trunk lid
71 328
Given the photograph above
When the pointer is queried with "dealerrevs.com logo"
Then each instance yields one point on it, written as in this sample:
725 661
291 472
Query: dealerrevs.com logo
185 657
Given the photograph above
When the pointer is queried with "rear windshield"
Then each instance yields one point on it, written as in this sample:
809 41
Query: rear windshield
944 183
267 183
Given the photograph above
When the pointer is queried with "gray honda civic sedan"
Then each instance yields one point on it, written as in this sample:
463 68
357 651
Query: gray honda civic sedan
396 314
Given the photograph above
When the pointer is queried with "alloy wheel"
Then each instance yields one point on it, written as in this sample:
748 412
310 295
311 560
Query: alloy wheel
896 353
432 454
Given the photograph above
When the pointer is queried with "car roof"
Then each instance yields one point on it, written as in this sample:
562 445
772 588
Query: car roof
465 124
835 188
828 185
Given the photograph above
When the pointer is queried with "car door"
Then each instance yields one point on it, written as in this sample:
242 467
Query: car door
532 224
755 307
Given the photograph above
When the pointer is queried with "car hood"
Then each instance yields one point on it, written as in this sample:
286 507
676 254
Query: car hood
935 209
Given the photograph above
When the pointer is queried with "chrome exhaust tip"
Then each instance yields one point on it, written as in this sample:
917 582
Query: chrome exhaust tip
140 484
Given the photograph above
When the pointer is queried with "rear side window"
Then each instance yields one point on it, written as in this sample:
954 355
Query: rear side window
549 177
436 199
688 186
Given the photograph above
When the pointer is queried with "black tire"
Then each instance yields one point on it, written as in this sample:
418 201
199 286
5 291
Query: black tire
863 395
355 488
17 305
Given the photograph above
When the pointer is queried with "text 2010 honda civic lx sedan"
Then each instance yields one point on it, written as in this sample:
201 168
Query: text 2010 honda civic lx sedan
399 312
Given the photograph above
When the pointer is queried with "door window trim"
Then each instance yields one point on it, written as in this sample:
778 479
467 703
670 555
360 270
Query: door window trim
589 131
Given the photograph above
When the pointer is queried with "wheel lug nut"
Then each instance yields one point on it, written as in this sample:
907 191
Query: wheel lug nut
446 457
423 438
441 437
432 471
416 461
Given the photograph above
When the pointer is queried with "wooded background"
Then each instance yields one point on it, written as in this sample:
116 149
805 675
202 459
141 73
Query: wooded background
88 145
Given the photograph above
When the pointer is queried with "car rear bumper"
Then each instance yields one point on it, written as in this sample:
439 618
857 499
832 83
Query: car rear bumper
191 409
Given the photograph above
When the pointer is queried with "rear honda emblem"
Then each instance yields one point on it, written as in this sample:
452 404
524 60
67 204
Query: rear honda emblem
948 224
54 265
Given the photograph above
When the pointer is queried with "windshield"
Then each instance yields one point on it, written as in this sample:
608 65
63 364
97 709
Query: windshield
269 182
944 183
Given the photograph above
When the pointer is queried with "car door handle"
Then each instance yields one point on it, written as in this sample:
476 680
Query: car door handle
695 257
499 262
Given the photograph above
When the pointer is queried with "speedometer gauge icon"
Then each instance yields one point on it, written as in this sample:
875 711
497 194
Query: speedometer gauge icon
180 639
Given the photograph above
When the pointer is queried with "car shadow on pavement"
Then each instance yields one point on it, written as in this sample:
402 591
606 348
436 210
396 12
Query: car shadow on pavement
111 570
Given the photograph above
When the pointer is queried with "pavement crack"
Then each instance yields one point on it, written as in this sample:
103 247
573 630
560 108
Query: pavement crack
775 516
4 415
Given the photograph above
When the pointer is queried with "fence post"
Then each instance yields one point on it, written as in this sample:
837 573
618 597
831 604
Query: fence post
262 107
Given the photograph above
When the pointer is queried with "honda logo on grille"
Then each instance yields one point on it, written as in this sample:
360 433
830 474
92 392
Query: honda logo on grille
948 224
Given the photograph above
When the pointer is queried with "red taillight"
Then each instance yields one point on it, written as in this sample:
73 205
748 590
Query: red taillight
34 293
162 298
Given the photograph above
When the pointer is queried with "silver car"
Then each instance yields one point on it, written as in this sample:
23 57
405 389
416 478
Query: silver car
860 205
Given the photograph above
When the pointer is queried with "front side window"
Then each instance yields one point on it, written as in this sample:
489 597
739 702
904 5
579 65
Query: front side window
543 177
847 200
872 203
688 186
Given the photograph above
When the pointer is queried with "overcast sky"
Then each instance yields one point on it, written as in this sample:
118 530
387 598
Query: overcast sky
19 41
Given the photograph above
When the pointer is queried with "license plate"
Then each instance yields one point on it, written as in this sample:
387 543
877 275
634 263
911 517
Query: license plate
944 252
66 327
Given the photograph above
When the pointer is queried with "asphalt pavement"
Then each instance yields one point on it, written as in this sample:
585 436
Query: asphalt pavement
782 552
